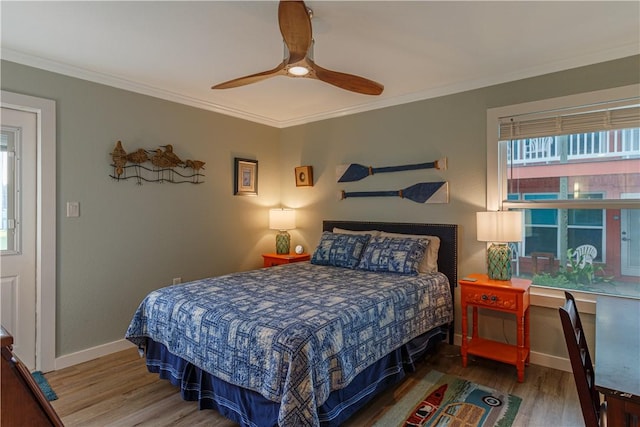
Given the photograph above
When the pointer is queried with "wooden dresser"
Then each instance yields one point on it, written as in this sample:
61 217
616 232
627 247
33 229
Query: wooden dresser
22 403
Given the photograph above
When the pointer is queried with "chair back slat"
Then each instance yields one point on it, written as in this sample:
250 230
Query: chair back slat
581 364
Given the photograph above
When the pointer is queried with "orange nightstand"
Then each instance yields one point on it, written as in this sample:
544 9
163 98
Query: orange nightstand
510 296
276 259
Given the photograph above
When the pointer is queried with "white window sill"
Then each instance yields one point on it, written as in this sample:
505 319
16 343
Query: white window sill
554 298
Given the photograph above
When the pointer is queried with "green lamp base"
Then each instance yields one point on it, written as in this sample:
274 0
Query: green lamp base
283 243
499 262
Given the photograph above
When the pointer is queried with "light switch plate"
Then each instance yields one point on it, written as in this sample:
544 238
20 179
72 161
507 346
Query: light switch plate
73 209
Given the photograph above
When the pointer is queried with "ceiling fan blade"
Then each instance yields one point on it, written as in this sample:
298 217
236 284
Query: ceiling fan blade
295 26
252 78
346 81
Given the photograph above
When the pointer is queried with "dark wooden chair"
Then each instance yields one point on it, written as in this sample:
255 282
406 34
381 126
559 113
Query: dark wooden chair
593 412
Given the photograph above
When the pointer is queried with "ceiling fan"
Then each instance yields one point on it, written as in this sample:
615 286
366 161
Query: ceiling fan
295 25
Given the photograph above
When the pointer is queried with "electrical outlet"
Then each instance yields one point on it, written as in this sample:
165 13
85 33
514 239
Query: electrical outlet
177 280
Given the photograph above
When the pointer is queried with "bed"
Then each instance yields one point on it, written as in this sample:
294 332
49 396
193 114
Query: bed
304 344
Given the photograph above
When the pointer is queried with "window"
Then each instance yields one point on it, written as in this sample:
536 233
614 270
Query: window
572 165
540 227
9 140
543 233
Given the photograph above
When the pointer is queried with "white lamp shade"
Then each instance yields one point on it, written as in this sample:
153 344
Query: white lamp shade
282 219
500 226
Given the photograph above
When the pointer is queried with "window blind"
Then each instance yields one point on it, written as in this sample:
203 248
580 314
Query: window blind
614 115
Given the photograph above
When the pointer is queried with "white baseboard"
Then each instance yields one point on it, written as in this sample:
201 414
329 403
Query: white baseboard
536 358
92 353
550 361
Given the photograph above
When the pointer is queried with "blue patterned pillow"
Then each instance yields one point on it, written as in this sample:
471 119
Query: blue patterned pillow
340 250
393 254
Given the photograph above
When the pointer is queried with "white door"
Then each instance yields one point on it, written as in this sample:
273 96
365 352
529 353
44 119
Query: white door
630 239
18 233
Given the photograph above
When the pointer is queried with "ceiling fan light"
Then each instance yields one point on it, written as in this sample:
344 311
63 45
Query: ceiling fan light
298 71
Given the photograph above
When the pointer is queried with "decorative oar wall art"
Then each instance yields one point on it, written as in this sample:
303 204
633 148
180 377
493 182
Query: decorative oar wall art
356 172
163 162
423 192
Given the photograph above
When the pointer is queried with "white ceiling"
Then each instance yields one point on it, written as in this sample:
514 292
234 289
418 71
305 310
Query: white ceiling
416 49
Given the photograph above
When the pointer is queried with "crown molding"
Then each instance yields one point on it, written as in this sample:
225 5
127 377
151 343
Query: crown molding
122 83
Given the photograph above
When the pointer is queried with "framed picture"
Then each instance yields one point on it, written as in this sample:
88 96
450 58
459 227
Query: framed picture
245 177
304 176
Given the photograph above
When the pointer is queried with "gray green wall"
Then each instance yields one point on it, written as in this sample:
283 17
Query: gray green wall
454 126
131 239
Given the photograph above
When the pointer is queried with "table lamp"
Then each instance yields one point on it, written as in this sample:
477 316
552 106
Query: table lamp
499 228
282 220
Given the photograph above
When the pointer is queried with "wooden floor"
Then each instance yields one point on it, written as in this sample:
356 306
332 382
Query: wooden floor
117 390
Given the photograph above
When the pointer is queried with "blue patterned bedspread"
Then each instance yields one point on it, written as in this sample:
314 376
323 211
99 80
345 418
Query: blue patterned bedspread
295 332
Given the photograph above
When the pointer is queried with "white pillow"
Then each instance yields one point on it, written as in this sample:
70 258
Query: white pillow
373 233
430 262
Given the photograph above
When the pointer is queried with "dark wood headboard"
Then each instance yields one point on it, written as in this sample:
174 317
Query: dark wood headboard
447 255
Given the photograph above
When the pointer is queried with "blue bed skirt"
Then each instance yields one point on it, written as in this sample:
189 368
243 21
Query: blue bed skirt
250 409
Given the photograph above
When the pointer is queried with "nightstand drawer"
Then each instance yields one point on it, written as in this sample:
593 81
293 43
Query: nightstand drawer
491 298
271 260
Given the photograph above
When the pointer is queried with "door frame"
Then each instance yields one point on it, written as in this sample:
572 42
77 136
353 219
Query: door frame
45 111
